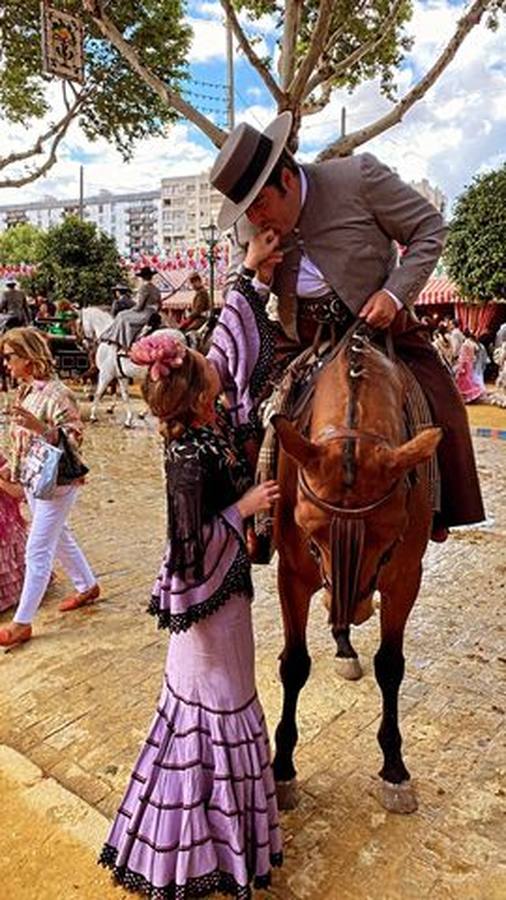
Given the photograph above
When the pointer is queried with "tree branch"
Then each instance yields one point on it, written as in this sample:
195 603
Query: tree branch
324 73
371 45
57 132
293 10
345 145
250 54
172 98
318 40
310 107
59 128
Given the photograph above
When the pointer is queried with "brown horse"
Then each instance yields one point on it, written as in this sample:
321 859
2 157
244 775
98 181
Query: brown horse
350 519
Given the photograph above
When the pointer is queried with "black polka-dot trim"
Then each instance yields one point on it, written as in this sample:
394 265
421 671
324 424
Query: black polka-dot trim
236 581
202 886
262 371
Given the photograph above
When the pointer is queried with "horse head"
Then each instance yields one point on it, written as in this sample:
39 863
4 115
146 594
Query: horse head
92 322
352 489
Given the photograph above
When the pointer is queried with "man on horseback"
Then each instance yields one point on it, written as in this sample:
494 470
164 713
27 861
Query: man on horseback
133 323
328 233
14 311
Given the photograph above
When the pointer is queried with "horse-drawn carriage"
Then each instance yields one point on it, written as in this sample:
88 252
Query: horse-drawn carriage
70 356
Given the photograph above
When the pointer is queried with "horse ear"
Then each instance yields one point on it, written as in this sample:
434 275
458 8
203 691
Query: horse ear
293 443
412 453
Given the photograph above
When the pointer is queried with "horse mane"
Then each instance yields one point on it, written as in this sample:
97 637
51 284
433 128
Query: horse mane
357 351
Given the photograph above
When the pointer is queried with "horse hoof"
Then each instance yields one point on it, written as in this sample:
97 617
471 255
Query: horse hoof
129 424
349 668
397 798
110 410
287 794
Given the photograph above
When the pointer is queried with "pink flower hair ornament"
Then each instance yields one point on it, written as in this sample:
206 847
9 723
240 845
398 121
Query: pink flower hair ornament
161 352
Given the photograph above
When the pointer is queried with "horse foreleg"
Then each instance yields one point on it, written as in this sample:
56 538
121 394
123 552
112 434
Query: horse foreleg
397 793
123 389
295 665
348 663
99 393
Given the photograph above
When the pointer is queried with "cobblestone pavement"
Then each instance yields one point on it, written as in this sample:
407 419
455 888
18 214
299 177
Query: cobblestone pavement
78 699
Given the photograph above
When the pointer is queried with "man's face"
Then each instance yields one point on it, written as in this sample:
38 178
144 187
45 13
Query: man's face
277 210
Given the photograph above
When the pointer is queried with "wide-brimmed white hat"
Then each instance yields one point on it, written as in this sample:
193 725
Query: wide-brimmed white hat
244 164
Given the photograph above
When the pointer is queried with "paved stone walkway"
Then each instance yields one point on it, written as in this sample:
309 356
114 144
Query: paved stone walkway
77 700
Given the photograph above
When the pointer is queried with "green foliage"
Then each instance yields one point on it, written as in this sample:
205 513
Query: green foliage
77 262
475 252
360 23
122 108
19 244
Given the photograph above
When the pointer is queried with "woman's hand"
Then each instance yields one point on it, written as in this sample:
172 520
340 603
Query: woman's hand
27 420
11 488
263 255
262 496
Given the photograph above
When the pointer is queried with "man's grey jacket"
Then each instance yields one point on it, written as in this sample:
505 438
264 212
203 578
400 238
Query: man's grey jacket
355 209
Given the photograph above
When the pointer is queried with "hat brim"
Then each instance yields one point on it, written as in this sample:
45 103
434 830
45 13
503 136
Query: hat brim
278 131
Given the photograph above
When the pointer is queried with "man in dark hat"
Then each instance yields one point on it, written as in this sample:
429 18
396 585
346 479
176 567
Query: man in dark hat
129 324
328 234
201 304
14 310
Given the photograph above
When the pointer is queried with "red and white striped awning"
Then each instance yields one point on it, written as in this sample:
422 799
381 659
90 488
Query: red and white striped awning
438 290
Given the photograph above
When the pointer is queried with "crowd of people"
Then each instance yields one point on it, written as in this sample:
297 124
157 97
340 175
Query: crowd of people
466 356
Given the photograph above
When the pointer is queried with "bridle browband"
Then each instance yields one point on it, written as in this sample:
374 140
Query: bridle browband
332 507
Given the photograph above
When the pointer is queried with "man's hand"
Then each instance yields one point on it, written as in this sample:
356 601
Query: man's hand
379 310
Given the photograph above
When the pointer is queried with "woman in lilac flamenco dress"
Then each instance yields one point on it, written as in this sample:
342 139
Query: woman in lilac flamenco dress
199 814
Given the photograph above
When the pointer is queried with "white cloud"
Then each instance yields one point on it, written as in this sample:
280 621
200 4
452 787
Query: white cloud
457 130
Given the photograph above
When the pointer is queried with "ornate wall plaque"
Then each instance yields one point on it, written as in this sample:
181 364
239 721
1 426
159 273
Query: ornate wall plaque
62 44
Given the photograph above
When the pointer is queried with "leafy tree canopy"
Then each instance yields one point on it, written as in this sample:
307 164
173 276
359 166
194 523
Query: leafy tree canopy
20 244
137 63
77 262
476 248
120 107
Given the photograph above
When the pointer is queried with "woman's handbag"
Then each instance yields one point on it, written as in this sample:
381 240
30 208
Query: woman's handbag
39 468
71 466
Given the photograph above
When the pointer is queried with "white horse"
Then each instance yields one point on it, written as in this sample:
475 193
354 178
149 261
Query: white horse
110 363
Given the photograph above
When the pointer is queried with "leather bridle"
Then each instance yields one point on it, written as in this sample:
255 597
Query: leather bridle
347 525
332 507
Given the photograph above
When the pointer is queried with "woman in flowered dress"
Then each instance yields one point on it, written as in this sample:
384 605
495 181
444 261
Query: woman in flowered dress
199 814
12 539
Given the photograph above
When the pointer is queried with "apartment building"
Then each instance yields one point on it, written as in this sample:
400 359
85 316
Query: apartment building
187 204
132 219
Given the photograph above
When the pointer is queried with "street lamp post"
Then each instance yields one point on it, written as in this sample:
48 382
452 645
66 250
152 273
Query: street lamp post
209 233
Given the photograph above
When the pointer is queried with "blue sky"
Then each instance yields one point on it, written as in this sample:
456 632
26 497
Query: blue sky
456 131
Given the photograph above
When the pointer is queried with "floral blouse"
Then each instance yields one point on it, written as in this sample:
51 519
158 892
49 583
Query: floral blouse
54 405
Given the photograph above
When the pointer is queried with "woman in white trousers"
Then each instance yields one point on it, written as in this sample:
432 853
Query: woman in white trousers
44 406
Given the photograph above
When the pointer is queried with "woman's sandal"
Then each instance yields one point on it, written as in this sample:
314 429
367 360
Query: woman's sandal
76 601
8 639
